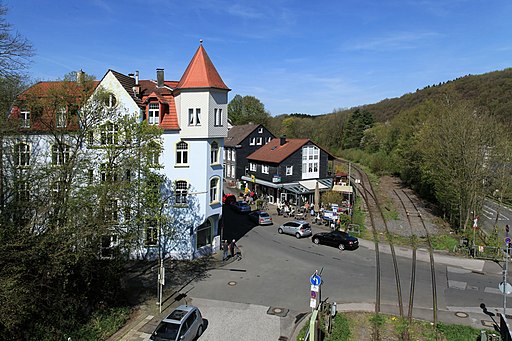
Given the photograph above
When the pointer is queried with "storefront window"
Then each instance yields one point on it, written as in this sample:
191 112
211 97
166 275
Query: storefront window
204 234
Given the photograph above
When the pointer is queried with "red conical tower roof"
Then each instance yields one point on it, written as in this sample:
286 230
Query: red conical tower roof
201 73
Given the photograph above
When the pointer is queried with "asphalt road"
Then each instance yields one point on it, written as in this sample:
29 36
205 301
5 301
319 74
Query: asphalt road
273 276
490 211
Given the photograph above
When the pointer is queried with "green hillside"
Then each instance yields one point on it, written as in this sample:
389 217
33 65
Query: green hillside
451 141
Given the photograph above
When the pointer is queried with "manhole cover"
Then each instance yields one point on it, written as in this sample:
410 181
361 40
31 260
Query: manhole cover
232 283
281 312
461 314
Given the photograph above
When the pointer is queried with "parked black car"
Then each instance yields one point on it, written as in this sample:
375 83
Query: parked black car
341 240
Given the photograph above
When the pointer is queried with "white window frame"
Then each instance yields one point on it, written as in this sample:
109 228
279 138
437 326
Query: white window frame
153 155
214 190
153 113
61 118
23 192
289 170
182 153
259 141
60 154
310 162
252 167
214 153
264 169
194 117
109 134
260 130
252 141
181 192
217 117
22 154
25 119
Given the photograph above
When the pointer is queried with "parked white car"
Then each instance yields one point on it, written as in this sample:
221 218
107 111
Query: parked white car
297 228
185 323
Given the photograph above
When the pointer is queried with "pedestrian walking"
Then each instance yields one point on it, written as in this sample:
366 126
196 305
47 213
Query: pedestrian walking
225 250
232 247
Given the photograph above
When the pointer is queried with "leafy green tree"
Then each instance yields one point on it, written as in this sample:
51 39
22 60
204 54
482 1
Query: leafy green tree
357 123
247 109
454 142
90 197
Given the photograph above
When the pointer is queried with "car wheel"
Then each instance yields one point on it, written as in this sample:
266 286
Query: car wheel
316 241
297 235
341 247
279 230
199 331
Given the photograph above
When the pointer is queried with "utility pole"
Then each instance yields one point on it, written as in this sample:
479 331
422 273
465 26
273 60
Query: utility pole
350 193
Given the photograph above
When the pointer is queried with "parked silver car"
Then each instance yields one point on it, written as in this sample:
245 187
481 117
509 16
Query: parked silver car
297 228
185 323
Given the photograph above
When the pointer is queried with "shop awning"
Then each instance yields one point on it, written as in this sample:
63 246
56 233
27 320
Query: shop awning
342 188
323 184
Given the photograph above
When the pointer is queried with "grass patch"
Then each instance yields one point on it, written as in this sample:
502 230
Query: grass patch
455 332
102 324
359 326
444 242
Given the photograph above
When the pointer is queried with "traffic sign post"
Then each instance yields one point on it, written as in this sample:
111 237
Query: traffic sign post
315 281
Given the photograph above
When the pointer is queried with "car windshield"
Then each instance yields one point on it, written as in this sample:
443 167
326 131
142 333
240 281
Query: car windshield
166 331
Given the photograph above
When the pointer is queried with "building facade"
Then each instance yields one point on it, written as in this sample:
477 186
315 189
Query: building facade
241 142
187 155
289 170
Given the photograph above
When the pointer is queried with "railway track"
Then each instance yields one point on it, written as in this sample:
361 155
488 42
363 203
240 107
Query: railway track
417 229
417 226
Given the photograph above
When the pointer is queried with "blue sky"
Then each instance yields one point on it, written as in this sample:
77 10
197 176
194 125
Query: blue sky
295 56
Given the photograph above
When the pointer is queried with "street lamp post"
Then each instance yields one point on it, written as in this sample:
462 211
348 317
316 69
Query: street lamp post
161 268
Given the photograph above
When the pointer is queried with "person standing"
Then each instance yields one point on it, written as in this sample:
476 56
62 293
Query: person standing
225 250
232 247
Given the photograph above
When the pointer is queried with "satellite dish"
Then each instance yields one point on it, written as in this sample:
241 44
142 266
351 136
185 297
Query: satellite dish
505 288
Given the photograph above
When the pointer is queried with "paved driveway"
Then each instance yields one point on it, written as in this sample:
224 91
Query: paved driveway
237 321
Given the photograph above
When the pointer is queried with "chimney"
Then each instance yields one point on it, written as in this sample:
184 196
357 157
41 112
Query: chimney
80 76
282 140
160 77
136 87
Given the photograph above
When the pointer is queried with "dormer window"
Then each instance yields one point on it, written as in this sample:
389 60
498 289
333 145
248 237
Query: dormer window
194 117
60 118
25 119
153 113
